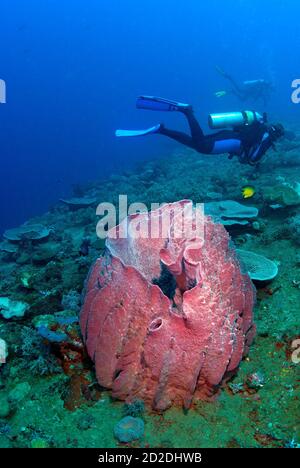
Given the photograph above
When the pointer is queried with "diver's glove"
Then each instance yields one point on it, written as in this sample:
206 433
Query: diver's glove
220 94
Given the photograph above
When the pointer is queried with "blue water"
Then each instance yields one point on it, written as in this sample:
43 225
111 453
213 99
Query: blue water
74 68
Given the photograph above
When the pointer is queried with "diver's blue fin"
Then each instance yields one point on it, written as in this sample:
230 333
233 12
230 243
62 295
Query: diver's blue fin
159 104
136 133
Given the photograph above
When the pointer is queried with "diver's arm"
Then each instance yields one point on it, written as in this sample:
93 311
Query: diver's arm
258 152
237 90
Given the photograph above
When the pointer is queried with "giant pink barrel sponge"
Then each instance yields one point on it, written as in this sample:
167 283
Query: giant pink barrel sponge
167 318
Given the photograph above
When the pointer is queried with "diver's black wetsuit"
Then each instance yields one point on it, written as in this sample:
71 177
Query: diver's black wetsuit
259 90
249 143
250 90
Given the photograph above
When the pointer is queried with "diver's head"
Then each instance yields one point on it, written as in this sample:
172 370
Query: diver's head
276 131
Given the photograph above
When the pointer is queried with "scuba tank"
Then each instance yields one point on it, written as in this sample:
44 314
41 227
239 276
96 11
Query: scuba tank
253 83
234 119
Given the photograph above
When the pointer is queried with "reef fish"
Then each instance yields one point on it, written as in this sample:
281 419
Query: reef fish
248 191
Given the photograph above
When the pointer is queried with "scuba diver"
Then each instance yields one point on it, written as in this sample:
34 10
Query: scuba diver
249 90
249 138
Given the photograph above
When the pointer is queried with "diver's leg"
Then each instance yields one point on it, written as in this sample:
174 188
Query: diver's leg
196 130
237 90
242 96
198 141
229 78
180 137
236 87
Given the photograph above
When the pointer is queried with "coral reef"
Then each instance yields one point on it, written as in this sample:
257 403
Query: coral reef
37 353
230 213
135 408
10 308
27 232
294 228
284 194
77 203
258 267
68 395
129 429
71 301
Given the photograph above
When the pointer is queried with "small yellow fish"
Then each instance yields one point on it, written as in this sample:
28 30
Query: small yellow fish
248 191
